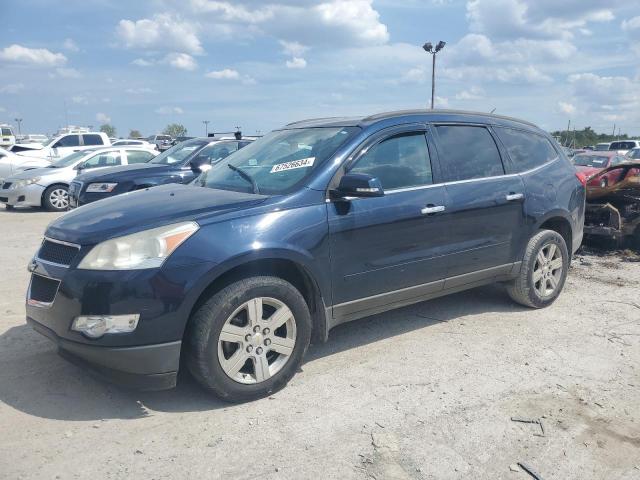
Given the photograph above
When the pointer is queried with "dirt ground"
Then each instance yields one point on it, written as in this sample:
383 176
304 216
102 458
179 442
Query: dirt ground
425 392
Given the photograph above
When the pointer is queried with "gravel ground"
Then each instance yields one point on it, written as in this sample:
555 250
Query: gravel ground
425 392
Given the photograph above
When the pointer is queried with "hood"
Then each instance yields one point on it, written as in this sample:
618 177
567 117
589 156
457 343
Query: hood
125 172
143 209
29 146
36 172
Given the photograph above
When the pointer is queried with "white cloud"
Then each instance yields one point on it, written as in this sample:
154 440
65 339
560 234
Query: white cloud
414 75
32 56
567 108
357 16
169 111
473 93
141 62
294 49
138 91
162 32
632 28
80 100
182 61
65 73
12 88
296 62
103 118
440 102
226 74
70 45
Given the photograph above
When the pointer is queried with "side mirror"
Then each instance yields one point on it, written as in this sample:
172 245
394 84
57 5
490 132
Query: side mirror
359 185
79 166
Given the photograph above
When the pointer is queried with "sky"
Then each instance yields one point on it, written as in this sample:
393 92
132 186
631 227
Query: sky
259 64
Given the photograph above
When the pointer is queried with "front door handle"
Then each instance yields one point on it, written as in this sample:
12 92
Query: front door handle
512 197
431 209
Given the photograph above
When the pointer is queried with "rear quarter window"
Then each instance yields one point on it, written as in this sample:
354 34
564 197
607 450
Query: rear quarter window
92 139
527 150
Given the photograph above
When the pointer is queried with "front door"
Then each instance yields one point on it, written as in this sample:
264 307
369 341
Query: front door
382 247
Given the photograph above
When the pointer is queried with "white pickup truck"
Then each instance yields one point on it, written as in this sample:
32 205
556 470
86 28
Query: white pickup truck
62 145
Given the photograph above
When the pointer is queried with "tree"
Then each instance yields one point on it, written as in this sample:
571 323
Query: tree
175 130
134 134
110 130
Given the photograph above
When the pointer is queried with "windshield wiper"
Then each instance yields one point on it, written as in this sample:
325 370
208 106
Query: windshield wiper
246 176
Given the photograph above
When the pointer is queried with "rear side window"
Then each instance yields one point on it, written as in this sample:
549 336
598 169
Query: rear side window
622 145
92 139
400 161
68 141
139 157
527 150
469 152
7 131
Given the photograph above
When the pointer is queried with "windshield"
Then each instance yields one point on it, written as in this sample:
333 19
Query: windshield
277 162
179 152
69 160
50 141
598 161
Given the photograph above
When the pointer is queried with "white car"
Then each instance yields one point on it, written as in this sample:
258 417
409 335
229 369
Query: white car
10 163
62 145
48 187
623 146
7 138
602 147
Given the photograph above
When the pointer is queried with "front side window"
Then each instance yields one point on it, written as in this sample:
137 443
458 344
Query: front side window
278 162
526 150
138 156
401 161
468 152
7 131
68 141
69 160
92 139
103 159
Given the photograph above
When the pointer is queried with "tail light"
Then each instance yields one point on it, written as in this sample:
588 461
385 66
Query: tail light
582 178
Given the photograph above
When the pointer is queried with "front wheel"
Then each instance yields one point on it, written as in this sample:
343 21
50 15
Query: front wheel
544 270
56 198
248 340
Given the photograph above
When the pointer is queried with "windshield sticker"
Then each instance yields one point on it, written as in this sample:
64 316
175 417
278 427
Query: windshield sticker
302 163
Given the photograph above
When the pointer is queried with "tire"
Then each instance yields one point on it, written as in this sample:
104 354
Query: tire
530 288
243 380
54 200
8 207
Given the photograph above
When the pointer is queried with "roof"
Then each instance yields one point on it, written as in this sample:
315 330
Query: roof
436 114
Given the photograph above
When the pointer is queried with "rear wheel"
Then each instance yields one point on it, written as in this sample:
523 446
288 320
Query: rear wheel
248 340
8 207
56 198
544 270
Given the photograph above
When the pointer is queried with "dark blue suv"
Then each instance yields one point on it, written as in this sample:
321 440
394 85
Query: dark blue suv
318 223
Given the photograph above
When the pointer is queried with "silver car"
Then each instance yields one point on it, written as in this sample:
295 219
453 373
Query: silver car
48 187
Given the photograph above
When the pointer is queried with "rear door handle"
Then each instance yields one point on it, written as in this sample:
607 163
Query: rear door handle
512 197
431 209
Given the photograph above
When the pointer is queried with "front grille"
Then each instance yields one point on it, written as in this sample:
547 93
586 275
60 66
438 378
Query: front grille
43 289
59 253
6 185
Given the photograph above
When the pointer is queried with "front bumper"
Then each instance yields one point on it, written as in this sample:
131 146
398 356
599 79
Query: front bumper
29 196
148 367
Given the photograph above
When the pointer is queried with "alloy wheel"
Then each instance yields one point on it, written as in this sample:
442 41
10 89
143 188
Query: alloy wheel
547 270
59 198
257 340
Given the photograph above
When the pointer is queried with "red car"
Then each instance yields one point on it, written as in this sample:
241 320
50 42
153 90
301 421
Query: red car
590 163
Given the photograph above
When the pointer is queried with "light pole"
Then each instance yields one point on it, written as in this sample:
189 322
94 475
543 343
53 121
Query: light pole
206 127
428 47
19 122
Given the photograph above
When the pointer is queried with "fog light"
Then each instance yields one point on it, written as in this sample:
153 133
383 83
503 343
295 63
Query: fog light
95 326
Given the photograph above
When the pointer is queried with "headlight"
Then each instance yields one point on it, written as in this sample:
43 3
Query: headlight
101 187
147 249
24 183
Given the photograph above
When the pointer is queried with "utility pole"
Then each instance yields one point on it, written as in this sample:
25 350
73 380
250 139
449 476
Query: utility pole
613 134
428 47
19 122
206 127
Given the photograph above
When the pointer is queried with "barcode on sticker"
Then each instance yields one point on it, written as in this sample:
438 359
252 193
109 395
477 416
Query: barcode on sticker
302 163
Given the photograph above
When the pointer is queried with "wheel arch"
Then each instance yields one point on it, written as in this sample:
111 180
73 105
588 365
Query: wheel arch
64 184
559 223
289 269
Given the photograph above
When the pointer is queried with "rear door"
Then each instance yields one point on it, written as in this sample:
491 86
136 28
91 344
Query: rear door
485 204
382 247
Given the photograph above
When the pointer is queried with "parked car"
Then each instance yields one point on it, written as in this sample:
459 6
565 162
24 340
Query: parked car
11 163
132 142
590 163
7 138
600 147
624 146
62 145
162 142
321 222
48 187
633 154
180 164
32 138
